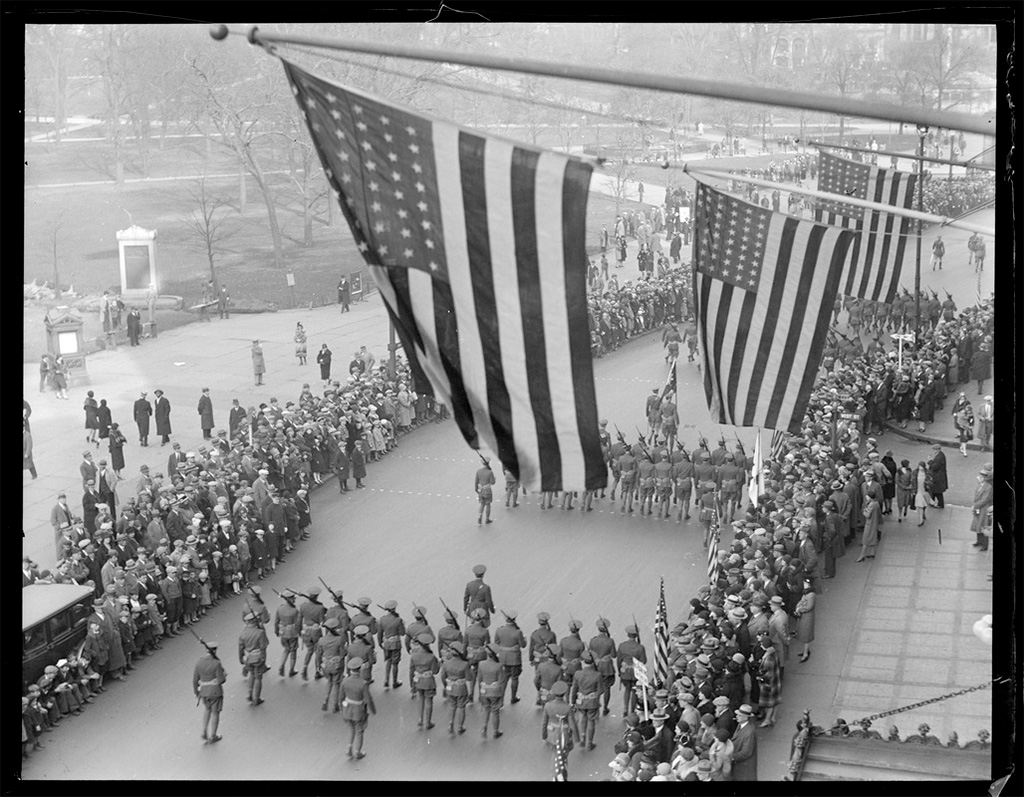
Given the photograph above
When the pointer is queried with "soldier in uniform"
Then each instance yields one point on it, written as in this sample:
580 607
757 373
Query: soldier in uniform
703 472
653 412
492 689
454 682
286 628
312 613
207 683
616 450
717 456
330 653
418 626
510 641
477 640
646 481
511 489
361 648
690 337
682 475
730 478
482 486
585 696
252 655
571 648
340 613
707 509
478 594
448 634
628 473
558 718
548 672
423 666
627 651
602 648
539 640
355 700
363 616
389 637
663 485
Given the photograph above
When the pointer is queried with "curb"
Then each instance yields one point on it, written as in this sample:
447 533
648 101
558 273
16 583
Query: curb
919 437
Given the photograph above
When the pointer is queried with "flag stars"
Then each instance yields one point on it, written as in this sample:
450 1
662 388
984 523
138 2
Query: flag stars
339 133
426 225
414 149
378 227
343 156
399 195
406 232
411 131
310 102
361 127
392 157
429 243
420 187
417 168
388 137
371 166
396 177
403 213
336 114
407 253
375 207
385 121
357 108
422 206
373 185
362 247
330 98
366 145
433 266
382 250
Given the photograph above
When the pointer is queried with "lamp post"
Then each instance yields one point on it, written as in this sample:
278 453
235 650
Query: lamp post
922 131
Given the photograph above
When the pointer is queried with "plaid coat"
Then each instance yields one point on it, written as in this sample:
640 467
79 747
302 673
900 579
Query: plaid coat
770 679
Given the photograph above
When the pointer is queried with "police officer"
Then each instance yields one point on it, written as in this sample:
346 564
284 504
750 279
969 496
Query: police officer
252 655
286 628
478 595
477 640
389 637
330 653
356 700
455 684
627 651
448 634
585 696
423 666
510 641
207 684
312 613
602 647
492 689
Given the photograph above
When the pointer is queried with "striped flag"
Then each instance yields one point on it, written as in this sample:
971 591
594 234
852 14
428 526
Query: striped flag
561 772
661 639
778 445
764 286
756 487
477 247
876 258
713 564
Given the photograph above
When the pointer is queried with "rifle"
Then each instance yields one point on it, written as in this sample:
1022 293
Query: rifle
621 436
334 594
636 625
283 597
259 622
211 651
934 293
948 294
451 614
484 460
643 445
300 594
392 611
509 620
702 440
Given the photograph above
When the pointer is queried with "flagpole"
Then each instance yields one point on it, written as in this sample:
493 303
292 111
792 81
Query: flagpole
965 164
846 200
922 131
758 95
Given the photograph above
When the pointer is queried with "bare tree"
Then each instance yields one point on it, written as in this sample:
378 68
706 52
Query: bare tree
206 223
839 64
54 42
56 222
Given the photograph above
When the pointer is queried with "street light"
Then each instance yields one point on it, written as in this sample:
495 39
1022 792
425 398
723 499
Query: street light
922 131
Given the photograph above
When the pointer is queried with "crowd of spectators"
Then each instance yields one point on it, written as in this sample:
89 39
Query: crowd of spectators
957 195
171 546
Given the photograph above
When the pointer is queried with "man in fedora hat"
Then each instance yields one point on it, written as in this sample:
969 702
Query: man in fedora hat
207 684
744 741
981 507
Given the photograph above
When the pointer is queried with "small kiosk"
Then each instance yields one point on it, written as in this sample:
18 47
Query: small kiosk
137 254
64 337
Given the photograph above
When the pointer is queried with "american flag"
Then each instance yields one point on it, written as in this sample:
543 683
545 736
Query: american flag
778 444
661 639
876 257
713 565
756 487
561 772
764 286
477 247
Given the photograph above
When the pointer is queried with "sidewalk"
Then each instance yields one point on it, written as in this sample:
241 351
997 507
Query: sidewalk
891 632
181 362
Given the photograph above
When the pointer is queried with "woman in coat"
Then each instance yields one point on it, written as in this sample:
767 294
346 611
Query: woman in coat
963 420
872 520
103 419
888 485
116 445
940 480
92 420
925 404
805 620
258 365
359 462
59 375
769 677
300 343
905 487
981 366
323 359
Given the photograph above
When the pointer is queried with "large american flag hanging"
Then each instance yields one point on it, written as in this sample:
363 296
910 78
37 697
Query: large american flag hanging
876 257
477 247
764 285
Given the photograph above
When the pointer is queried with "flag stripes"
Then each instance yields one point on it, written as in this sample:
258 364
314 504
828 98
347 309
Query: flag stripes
661 639
778 444
477 246
713 565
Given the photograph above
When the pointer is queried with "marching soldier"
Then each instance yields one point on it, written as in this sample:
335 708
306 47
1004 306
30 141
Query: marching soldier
340 613
478 595
587 500
718 455
558 718
703 473
418 626
682 474
628 472
730 477
207 683
361 648
629 650
690 337
652 410
423 666
482 486
330 653
363 616
477 640
585 696
645 481
510 641
448 634
602 648
617 449
312 613
454 681
252 655
540 639
707 510
389 637
511 489
356 699
548 672
663 485
492 689
286 628
257 606
571 648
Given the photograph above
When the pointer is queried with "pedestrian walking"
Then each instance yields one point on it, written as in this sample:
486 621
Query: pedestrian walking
116 447
323 359
982 508
142 410
286 628
940 480
92 419
805 620
258 365
344 295
300 343
162 414
208 679
59 377
205 410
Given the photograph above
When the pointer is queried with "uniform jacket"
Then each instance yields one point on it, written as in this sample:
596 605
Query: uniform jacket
511 641
603 648
208 677
478 594
423 666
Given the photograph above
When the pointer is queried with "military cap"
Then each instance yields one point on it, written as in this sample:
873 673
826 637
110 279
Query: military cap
249 617
603 624
425 639
543 617
356 662
479 570
363 602
458 647
631 630
419 611
554 649
288 595
313 591
391 605
587 657
361 630
511 614
574 625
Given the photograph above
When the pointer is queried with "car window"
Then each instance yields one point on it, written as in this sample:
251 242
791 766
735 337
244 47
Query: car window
78 614
60 624
35 639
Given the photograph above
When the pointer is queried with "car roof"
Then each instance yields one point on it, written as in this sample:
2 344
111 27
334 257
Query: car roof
39 601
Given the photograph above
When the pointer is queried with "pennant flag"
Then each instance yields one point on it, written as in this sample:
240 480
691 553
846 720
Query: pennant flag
661 639
756 486
876 257
764 285
561 773
670 380
477 247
